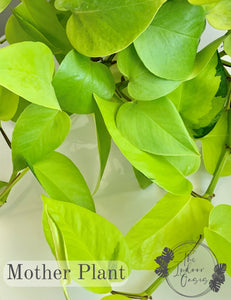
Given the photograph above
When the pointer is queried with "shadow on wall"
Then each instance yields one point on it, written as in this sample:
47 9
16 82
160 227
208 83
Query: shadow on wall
5 14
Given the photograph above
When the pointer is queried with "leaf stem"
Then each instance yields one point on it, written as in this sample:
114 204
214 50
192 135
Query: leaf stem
67 297
5 137
132 296
11 184
3 41
226 63
209 194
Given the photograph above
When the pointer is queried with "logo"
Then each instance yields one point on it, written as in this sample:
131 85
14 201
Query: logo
191 269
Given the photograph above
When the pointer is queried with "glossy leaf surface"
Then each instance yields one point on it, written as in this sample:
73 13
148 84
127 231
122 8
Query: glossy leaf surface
214 145
208 92
143 85
77 79
155 127
218 234
26 69
155 167
8 104
219 14
99 240
168 47
102 27
62 180
38 131
173 220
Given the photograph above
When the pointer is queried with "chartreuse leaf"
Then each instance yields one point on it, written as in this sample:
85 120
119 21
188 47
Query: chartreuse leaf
214 144
200 2
15 33
155 127
173 220
143 85
21 107
227 45
143 181
77 79
218 234
168 46
46 21
156 167
54 236
115 297
218 14
8 104
62 180
86 237
26 69
208 91
4 4
22 27
38 131
101 27
204 56
104 143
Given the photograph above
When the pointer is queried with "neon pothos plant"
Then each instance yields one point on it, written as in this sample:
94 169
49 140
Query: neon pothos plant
135 67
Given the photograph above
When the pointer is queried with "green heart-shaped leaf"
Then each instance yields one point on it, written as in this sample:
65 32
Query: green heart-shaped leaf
77 79
208 91
168 47
38 131
218 234
62 180
101 27
143 85
155 167
155 127
100 240
219 14
173 220
27 69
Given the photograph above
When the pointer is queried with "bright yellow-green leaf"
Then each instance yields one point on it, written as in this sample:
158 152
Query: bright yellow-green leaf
155 167
27 69
173 220
200 2
227 45
8 104
102 27
219 14
77 79
214 145
62 180
86 236
143 85
4 4
218 234
206 91
168 46
155 127
38 131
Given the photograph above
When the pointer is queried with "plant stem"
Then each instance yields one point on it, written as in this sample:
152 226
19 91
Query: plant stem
226 63
3 41
132 296
67 297
5 137
209 194
11 184
222 53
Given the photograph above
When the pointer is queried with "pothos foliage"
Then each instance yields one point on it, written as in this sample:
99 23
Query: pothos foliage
135 66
